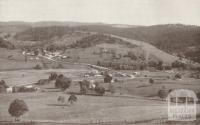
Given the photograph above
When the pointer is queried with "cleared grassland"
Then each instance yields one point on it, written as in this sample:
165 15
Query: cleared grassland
132 106
18 77
44 107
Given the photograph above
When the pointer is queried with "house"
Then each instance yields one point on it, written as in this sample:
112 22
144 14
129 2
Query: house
9 90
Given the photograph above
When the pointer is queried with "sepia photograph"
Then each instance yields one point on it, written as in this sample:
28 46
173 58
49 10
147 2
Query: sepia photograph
99 62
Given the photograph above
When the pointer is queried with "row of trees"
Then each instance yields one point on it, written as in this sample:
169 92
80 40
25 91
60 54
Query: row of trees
121 66
134 66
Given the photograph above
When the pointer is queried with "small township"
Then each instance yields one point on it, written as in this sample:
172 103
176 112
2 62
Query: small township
73 75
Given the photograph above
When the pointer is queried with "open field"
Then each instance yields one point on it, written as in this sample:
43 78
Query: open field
18 77
89 109
44 106
137 103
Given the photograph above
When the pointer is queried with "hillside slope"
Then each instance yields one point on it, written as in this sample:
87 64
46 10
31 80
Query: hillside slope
176 39
126 39
165 57
76 36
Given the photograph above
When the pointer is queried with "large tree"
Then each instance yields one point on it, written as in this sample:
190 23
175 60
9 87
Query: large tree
3 83
63 82
107 78
17 108
72 99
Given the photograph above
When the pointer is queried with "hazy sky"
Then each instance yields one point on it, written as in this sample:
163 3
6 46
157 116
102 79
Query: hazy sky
135 12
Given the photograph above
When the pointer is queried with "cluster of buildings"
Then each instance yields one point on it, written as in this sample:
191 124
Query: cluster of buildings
35 54
21 88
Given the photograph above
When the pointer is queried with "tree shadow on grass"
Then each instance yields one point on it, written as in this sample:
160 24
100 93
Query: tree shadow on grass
141 86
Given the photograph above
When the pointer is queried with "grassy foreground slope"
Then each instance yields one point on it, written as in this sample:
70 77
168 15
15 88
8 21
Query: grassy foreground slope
44 107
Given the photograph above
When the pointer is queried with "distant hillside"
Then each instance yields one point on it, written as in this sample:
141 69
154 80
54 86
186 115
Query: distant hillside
78 37
172 38
58 36
167 37
13 27
43 33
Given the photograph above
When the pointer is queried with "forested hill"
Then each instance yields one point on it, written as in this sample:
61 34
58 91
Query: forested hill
169 37
172 38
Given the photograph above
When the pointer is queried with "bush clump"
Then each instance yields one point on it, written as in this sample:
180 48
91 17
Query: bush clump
163 93
63 82
53 76
177 76
151 81
107 78
3 83
3 86
100 90
198 96
38 67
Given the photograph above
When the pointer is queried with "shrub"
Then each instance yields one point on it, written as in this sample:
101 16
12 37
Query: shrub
72 98
170 90
84 85
132 55
177 76
53 76
38 67
100 90
178 64
160 65
17 108
61 99
24 89
168 67
3 83
152 63
163 93
151 81
111 88
62 82
198 96
2 89
43 82
60 66
107 78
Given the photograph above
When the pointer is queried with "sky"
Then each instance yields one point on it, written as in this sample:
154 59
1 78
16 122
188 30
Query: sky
132 12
